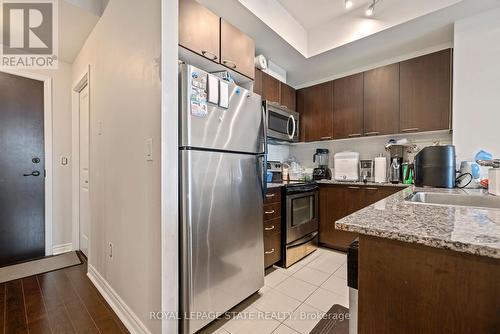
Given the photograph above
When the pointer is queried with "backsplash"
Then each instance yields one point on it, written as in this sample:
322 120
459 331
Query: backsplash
368 147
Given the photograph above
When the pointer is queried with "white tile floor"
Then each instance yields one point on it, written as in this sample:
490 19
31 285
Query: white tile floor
293 300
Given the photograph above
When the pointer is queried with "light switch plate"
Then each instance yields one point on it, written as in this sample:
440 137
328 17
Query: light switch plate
149 149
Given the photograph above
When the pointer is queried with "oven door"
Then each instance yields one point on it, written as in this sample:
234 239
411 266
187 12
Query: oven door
282 124
301 215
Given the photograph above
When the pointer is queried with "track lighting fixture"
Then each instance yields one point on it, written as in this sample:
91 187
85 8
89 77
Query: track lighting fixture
371 9
348 4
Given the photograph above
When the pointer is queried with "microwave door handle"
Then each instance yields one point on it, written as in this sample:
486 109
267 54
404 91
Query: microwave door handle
294 127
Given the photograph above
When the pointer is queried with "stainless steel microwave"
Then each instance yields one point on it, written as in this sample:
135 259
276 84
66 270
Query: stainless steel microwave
282 123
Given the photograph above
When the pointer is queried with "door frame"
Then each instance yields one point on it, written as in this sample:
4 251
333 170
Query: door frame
48 134
82 81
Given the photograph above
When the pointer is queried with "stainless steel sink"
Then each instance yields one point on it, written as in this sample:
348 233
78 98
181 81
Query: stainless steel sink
476 201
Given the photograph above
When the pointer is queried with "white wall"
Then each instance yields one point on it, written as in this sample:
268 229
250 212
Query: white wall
476 102
123 52
368 147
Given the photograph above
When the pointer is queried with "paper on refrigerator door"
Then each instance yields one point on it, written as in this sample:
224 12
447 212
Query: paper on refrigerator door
213 89
224 94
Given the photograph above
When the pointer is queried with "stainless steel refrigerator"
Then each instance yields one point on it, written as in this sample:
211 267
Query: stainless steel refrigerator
222 165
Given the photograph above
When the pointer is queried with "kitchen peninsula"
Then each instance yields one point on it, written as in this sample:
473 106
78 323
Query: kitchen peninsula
427 268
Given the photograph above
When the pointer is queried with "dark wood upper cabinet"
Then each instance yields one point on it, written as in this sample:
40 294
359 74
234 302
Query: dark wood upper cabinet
270 88
348 107
315 105
199 29
381 100
237 50
273 90
425 92
287 96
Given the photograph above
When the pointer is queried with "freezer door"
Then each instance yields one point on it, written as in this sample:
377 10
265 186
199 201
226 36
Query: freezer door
207 125
222 232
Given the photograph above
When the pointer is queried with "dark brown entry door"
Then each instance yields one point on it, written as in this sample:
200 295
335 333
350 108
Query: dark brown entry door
22 177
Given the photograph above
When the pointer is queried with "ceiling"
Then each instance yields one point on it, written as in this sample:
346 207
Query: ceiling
285 41
311 14
77 18
327 24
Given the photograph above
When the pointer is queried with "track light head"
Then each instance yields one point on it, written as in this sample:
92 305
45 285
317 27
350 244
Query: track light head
369 11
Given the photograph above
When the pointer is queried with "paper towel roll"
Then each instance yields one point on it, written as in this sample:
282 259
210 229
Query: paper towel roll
380 169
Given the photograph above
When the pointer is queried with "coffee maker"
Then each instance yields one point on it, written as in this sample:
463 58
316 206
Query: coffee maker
322 171
396 164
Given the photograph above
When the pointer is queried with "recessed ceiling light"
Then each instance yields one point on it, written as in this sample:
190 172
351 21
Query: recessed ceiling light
348 4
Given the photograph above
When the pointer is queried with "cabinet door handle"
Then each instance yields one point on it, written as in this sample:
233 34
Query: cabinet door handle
354 135
326 138
269 228
269 252
229 63
373 133
269 212
352 187
410 130
270 195
371 188
208 55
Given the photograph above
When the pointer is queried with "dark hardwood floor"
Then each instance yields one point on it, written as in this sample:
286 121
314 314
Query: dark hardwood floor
62 301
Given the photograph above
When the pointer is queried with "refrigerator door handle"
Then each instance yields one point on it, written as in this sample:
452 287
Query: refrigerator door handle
264 126
263 167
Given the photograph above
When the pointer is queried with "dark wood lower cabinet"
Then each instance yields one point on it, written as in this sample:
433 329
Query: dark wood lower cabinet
272 248
337 201
272 227
411 288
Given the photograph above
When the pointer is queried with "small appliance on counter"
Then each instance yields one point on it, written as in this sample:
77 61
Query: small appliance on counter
276 171
493 175
321 171
366 170
494 181
380 169
396 170
408 171
468 175
435 166
346 166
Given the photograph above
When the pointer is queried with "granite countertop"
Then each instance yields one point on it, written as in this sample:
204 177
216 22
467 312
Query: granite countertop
347 183
462 229
360 183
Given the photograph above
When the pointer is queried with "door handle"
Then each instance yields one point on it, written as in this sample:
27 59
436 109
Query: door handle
34 173
269 212
209 55
269 252
229 63
269 228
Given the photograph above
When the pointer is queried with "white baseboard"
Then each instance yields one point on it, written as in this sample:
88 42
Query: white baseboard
126 315
62 248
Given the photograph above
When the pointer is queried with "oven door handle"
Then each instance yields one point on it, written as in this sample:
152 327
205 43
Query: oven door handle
303 240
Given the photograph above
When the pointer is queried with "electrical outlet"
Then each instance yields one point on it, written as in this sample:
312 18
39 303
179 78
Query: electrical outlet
110 251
